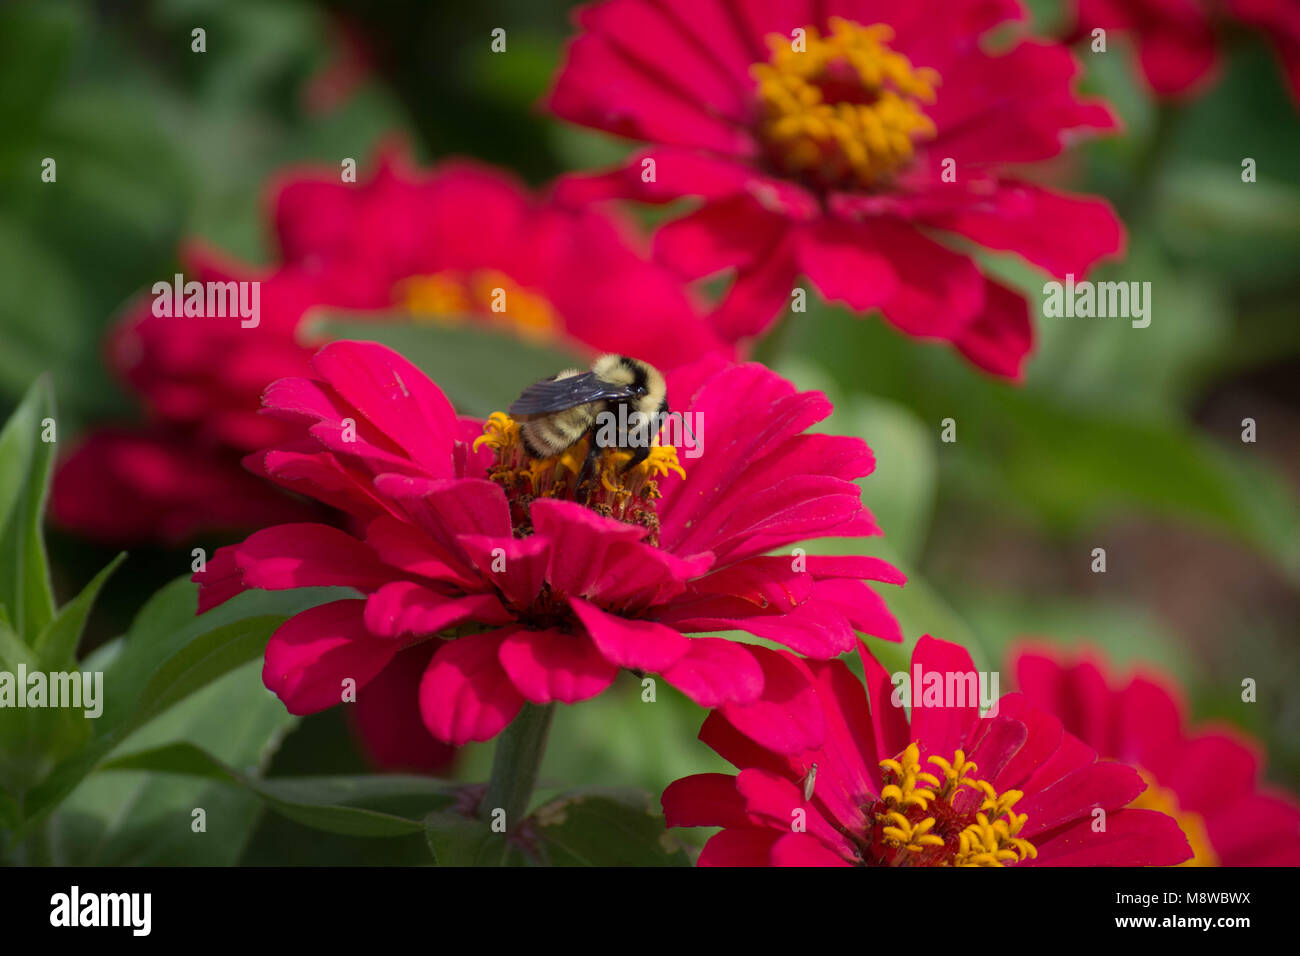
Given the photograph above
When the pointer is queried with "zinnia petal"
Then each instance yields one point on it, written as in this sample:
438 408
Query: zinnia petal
310 656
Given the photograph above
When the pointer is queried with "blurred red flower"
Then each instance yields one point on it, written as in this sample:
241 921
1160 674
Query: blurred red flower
1178 40
841 140
1207 777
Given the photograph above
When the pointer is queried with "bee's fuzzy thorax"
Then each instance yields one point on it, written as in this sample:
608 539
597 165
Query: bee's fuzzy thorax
618 369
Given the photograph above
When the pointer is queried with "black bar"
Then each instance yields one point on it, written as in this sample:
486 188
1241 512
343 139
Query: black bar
332 905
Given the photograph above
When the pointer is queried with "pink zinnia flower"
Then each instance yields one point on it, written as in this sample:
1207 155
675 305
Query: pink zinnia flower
843 153
1178 40
1207 778
432 245
948 788
530 594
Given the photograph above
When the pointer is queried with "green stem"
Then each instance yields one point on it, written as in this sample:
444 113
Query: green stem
1152 162
515 763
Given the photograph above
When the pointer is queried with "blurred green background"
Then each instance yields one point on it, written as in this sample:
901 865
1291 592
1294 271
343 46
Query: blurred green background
1124 439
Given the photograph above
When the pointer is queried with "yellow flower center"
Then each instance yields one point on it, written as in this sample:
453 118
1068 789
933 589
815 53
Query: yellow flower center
945 818
615 490
452 297
842 110
1155 797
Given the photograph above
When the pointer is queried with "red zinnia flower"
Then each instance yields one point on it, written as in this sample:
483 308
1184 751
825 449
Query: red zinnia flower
542 598
950 788
832 139
1177 40
1207 778
439 246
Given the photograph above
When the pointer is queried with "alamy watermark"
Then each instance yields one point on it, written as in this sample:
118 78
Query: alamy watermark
1102 300
924 689
633 429
209 300
76 689
75 908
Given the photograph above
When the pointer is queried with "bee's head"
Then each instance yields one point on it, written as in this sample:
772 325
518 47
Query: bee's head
650 391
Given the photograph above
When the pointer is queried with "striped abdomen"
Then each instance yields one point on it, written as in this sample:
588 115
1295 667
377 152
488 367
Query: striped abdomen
549 436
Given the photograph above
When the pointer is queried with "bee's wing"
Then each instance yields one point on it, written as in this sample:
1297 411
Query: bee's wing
557 394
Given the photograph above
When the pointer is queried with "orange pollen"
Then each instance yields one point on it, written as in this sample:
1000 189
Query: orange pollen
946 818
614 490
453 297
843 110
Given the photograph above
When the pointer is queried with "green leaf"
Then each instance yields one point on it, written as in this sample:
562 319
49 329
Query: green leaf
34 42
171 610
202 661
1073 466
168 640
57 644
456 357
604 828
457 840
25 462
135 818
115 169
9 813
32 739
13 651
1246 232
199 662
353 806
165 656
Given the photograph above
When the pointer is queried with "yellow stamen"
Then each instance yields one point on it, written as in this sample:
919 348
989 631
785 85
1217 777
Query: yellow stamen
846 109
913 838
659 463
933 824
956 773
907 772
993 842
499 432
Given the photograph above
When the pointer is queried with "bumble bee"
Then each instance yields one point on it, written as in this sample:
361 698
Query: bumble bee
556 413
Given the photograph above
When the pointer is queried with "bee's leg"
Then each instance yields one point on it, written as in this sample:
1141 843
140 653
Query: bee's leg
638 455
587 476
